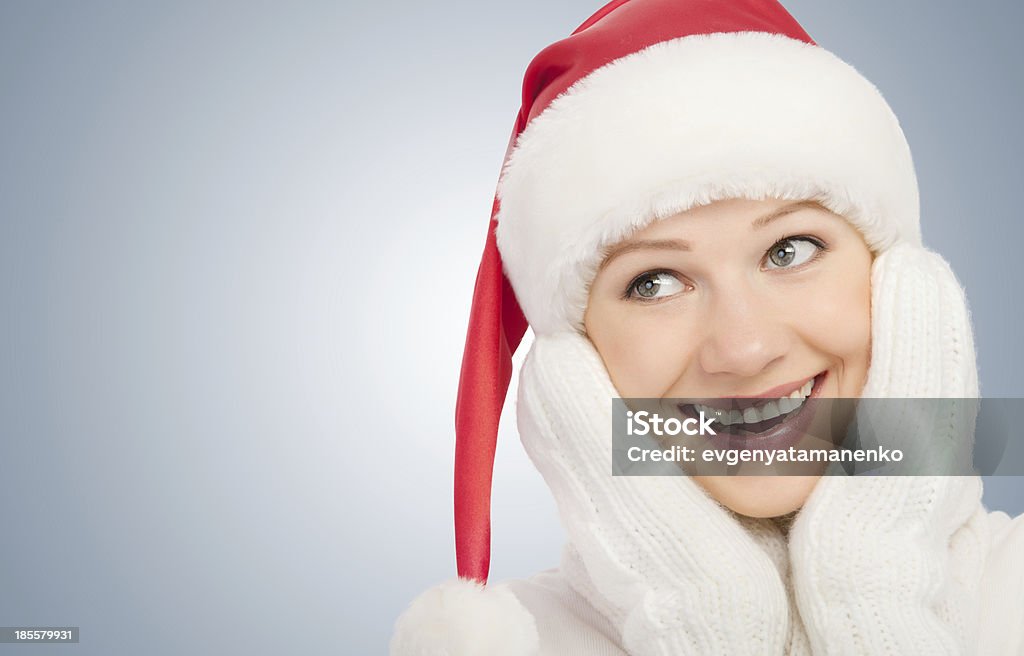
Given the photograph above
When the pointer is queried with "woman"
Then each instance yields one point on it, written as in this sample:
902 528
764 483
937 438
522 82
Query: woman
699 201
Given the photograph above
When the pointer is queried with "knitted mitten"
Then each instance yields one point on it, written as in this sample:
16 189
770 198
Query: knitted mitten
672 570
871 555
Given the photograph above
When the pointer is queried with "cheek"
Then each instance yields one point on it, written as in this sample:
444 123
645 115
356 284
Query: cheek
645 350
837 323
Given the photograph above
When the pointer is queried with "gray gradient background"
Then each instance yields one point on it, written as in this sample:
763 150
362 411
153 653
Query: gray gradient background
237 247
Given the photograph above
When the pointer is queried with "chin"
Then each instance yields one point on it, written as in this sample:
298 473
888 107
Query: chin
759 496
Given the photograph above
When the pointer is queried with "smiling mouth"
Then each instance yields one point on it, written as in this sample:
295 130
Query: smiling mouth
749 416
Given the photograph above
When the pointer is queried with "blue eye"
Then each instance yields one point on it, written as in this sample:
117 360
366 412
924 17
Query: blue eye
791 252
654 285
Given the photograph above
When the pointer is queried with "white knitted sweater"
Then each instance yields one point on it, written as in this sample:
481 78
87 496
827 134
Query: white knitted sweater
568 625
870 565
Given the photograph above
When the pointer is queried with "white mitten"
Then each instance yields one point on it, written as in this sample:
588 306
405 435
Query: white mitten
675 572
870 555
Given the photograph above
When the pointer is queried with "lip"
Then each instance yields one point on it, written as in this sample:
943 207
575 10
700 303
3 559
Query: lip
778 392
742 402
780 436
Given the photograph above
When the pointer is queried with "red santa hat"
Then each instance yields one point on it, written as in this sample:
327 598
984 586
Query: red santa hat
650 108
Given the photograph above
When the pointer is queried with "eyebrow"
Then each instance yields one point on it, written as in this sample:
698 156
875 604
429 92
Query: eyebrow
681 245
644 245
762 221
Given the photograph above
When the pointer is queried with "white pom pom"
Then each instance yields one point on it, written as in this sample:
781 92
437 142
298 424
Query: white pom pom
460 617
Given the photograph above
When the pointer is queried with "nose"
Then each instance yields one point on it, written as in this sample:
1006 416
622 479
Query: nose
744 333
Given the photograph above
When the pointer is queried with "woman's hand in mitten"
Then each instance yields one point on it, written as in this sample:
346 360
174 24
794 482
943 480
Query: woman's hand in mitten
869 558
870 554
674 571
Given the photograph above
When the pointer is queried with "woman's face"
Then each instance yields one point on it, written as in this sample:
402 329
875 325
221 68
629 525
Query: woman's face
734 299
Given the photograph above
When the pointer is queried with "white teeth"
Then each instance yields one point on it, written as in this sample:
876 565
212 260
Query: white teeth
718 414
752 415
770 410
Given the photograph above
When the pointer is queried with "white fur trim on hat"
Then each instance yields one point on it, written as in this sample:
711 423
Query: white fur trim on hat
684 123
461 617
